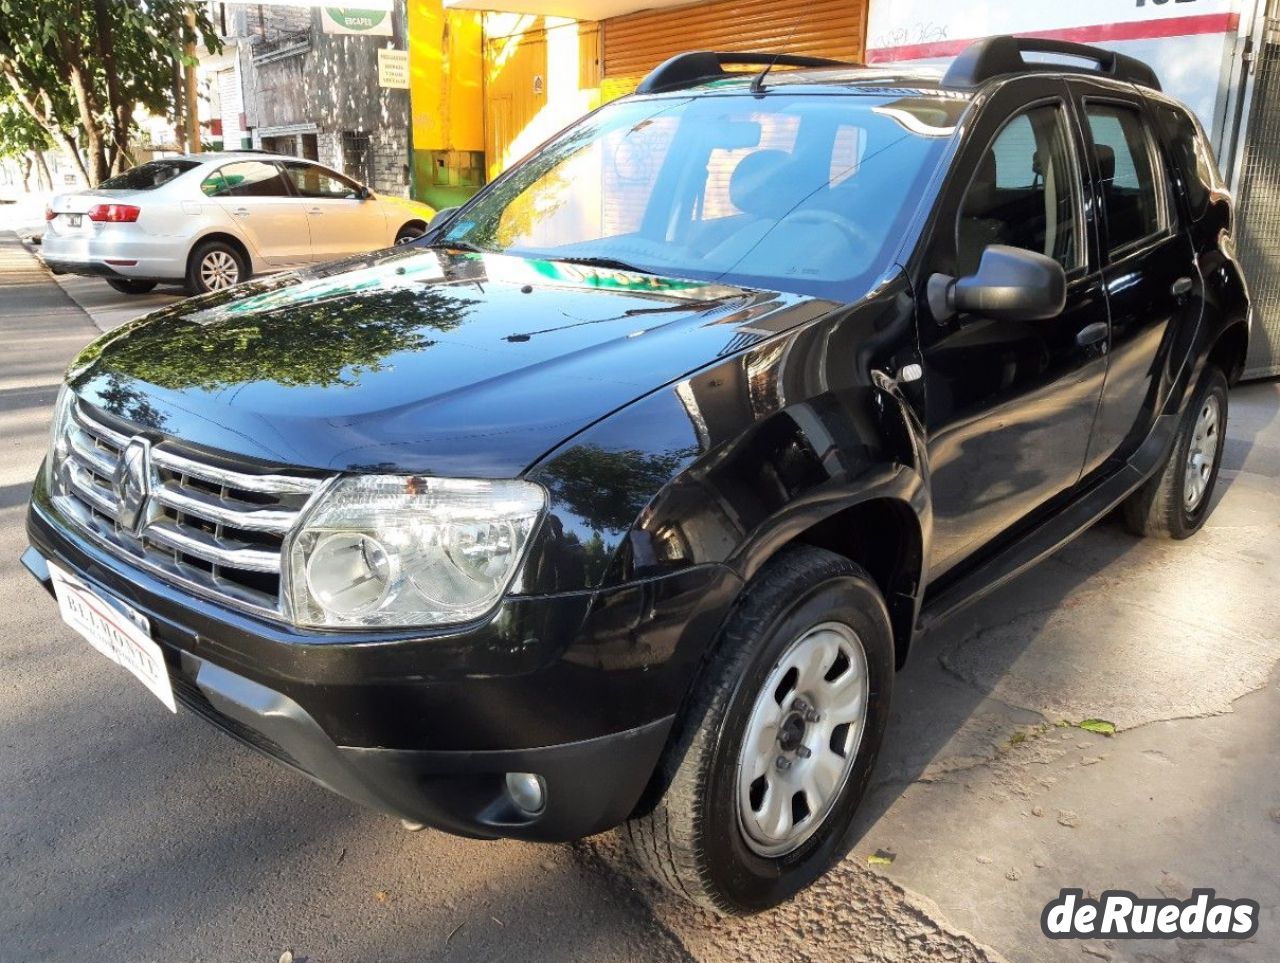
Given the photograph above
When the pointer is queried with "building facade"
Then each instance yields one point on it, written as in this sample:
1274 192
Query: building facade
285 83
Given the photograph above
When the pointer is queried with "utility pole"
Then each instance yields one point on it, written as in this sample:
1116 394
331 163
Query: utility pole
193 110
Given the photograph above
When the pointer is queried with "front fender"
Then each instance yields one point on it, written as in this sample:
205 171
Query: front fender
724 467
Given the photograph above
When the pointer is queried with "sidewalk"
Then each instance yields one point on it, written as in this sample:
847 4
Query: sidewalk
41 329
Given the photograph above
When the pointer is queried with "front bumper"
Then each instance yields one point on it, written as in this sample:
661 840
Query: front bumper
581 689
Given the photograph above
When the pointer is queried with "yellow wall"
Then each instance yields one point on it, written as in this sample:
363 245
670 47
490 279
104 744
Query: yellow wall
446 77
446 85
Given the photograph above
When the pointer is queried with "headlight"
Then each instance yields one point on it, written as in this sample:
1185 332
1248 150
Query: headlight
396 550
58 441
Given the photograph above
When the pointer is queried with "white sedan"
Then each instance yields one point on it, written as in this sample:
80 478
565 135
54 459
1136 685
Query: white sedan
213 220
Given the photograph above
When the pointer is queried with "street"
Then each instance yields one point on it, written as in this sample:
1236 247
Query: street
129 834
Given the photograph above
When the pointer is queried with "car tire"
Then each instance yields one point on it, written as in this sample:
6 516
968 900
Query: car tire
706 839
215 266
127 286
1175 502
410 232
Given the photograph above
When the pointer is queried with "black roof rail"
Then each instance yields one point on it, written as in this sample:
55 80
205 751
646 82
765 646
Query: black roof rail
687 69
997 56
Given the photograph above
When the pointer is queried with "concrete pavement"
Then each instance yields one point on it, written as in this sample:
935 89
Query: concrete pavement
129 834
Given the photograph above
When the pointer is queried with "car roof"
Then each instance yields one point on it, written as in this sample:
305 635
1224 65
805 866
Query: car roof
215 156
851 78
983 63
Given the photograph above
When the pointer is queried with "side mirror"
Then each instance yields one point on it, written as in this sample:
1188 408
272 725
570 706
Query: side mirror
441 216
363 193
1011 284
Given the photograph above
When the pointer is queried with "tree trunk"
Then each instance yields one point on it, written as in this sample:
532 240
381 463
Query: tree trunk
45 118
46 179
93 141
118 109
27 165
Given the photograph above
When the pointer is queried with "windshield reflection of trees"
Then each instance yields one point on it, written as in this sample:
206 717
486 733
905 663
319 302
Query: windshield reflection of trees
321 344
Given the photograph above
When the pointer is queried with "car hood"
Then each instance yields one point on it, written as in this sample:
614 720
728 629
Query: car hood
419 360
407 207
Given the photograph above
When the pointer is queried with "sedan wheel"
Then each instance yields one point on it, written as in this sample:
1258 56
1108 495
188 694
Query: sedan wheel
215 266
219 271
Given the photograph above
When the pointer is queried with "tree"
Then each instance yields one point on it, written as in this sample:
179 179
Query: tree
79 69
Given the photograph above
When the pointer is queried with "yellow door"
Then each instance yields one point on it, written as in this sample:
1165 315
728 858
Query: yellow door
538 81
517 75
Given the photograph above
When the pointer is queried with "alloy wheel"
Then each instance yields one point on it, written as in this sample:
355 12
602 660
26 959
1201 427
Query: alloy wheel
219 271
802 739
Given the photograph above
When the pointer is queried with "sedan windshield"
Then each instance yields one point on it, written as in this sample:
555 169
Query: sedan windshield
148 176
794 192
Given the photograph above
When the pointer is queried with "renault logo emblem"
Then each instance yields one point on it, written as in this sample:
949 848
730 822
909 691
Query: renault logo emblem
133 485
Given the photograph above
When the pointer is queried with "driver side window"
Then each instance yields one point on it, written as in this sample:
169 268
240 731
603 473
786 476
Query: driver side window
1024 193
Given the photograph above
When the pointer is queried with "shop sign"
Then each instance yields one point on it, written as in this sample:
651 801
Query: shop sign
393 68
358 20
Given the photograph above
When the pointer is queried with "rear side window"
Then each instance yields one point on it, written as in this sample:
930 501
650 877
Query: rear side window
246 179
148 176
1194 158
1130 183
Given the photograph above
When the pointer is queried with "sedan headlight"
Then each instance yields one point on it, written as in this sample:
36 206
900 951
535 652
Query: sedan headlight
396 550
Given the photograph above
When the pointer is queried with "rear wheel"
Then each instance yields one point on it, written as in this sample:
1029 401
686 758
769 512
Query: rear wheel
776 750
126 286
1176 502
215 266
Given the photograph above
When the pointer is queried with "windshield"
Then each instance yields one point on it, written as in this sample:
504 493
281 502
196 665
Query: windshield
792 192
148 176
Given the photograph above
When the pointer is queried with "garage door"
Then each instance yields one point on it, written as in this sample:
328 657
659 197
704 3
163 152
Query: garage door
638 42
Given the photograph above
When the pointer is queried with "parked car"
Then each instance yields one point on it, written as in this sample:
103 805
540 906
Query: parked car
210 221
618 498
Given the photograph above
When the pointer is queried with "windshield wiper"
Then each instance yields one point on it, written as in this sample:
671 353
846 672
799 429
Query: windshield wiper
459 246
612 263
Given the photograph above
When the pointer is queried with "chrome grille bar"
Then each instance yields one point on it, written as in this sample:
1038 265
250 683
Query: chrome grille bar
272 484
226 511
211 548
218 530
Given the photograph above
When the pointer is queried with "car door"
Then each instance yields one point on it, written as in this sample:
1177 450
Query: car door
1009 405
1153 285
344 218
257 197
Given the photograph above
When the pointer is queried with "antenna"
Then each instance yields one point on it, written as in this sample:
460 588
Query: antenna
757 82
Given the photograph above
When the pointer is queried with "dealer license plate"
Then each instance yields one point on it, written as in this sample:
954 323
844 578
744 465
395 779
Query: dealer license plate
115 630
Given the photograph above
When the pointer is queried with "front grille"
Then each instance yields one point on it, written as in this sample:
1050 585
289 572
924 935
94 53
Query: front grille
214 525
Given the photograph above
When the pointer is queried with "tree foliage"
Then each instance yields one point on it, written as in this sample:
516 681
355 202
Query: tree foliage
79 69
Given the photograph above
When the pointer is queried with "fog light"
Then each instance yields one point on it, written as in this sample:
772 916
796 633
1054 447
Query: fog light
528 791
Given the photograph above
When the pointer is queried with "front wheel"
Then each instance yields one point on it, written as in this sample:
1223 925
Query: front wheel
127 286
776 749
215 266
1176 502
410 232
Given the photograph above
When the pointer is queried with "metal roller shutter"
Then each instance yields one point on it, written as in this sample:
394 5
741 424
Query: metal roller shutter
638 42
1259 226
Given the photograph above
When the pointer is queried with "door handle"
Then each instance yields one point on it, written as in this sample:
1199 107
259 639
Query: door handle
1182 287
241 212
314 210
1092 334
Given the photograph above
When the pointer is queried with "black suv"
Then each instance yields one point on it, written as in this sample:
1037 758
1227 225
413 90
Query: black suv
619 496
